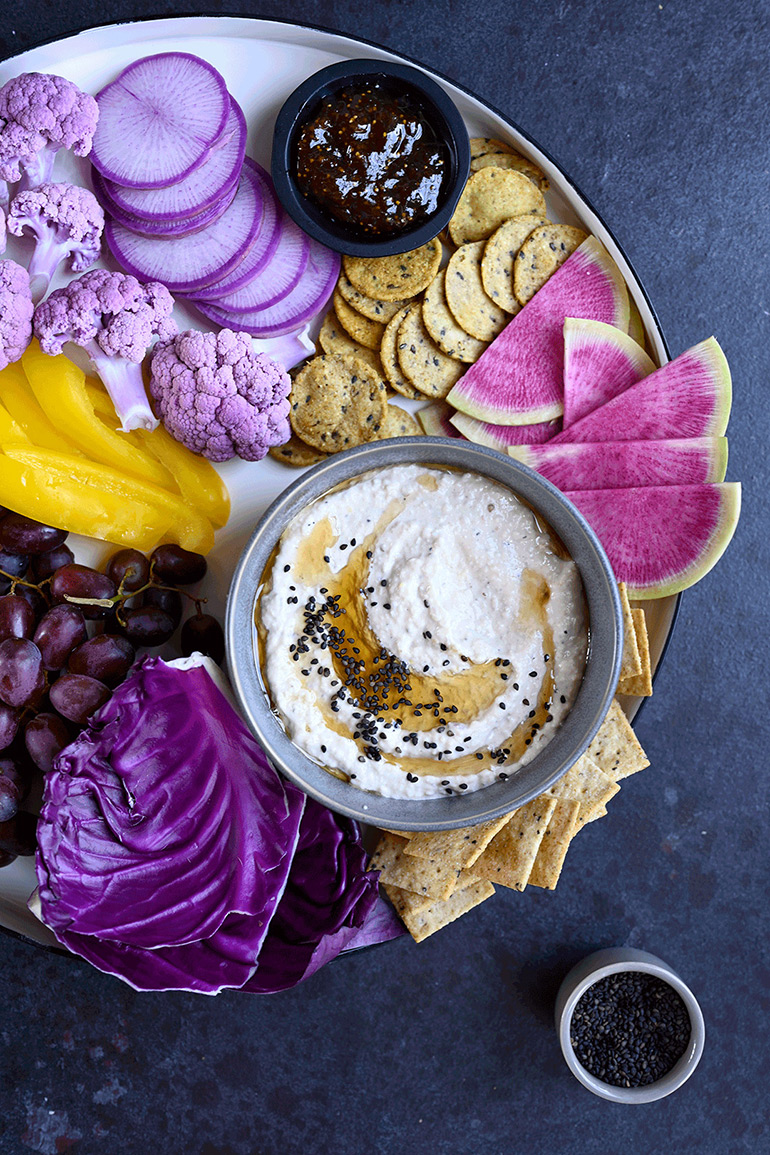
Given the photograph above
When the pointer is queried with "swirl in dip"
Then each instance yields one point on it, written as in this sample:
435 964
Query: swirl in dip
421 631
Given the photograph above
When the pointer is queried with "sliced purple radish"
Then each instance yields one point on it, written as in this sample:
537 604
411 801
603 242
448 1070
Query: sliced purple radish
519 378
501 437
185 264
600 361
688 397
624 464
303 303
183 227
661 539
204 187
158 119
277 278
436 420
263 248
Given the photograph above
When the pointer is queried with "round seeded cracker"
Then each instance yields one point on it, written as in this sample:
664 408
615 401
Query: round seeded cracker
394 278
513 160
473 310
483 145
422 362
295 452
337 402
389 357
360 328
491 196
499 258
540 256
382 311
398 423
333 339
443 328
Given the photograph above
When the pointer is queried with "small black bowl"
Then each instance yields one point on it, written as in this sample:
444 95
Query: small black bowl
436 107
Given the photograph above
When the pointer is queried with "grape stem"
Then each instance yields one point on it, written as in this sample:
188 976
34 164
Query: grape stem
17 581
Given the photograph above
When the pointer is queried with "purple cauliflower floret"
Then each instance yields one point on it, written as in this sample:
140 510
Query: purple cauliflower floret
218 396
66 221
39 114
114 318
15 312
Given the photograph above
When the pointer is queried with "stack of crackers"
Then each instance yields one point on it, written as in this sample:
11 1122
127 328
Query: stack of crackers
409 325
433 879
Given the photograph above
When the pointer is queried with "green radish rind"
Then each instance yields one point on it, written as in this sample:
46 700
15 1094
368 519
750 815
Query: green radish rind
661 540
624 464
518 379
690 396
600 362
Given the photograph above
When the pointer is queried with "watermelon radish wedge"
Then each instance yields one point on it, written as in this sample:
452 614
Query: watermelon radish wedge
688 397
501 437
435 420
620 464
661 539
519 378
600 361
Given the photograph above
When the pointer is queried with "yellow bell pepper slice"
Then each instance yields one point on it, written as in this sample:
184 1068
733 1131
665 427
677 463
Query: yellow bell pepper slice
9 430
185 525
23 406
59 386
197 479
70 504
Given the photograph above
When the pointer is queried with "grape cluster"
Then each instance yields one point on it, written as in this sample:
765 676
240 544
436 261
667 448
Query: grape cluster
68 636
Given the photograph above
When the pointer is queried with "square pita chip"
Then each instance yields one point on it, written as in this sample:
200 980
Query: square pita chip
631 663
553 849
587 784
436 879
424 917
616 749
460 848
639 685
510 855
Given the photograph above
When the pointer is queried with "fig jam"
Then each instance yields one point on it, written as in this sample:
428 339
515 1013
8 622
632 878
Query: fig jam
370 159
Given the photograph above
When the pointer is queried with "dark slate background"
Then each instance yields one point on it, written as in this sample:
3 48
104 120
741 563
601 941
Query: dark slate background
658 111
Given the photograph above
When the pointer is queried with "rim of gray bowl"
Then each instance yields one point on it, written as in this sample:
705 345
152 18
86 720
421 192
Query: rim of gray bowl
573 736
615 961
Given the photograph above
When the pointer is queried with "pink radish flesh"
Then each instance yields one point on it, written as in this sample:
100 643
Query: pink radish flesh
278 277
185 264
501 436
303 303
435 420
620 464
204 187
158 119
600 361
264 245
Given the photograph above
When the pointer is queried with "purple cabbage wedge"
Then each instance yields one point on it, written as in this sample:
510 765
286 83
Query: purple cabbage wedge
168 846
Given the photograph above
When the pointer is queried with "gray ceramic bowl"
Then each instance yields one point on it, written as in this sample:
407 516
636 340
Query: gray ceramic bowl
572 737
612 961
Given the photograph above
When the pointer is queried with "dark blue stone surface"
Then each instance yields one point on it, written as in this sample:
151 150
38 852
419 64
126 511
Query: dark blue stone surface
659 113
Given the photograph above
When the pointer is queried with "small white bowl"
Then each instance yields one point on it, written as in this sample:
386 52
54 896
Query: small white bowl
609 962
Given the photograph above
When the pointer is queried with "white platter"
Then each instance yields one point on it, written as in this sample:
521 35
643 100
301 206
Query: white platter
262 62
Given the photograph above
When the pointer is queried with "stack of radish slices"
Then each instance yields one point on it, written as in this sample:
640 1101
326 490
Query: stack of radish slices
187 207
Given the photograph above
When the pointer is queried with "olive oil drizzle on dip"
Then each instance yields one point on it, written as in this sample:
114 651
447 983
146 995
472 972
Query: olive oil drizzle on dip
414 723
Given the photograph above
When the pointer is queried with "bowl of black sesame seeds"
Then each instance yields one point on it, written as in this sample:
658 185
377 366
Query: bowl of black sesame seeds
630 1030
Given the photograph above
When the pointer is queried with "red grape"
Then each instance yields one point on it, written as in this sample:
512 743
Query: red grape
44 565
204 634
22 678
45 735
17 617
13 789
79 581
177 566
170 601
129 569
59 631
106 657
35 598
76 696
11 563
22 535
148 626
9 725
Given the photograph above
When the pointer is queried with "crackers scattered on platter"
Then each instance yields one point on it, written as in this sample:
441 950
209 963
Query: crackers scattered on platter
410 325
433 878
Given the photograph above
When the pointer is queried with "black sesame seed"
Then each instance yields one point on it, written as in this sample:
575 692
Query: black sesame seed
286 568
501 705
